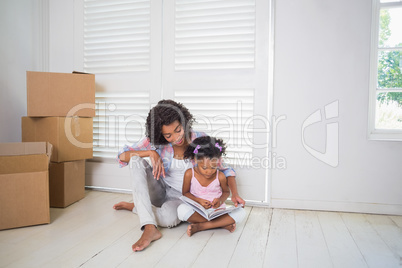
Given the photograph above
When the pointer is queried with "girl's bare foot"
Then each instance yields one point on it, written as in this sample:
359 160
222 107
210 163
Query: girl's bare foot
124 205
193 228
231 227
151 233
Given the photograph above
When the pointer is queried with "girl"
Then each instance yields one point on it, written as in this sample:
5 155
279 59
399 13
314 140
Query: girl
206 185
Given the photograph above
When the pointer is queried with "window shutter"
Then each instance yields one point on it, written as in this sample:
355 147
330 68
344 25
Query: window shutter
214 34
120 119
116 36
223 116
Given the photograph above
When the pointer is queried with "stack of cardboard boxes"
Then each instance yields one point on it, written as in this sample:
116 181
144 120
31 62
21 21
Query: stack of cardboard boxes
60 111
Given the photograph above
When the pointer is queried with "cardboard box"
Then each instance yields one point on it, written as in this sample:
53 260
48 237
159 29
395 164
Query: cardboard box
66 183
71 137
60 94
24 184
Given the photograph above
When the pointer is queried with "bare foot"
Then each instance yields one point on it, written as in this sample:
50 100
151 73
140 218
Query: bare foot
124 205
151 233
193 228
231 227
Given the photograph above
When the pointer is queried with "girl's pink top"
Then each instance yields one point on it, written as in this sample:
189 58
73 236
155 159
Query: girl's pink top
210 192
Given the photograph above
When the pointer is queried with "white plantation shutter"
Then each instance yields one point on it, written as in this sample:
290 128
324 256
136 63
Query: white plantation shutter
214 34
120 119
116 36
222 116
215 61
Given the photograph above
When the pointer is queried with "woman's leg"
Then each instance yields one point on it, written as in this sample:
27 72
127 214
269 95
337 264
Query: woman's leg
147 192
167 214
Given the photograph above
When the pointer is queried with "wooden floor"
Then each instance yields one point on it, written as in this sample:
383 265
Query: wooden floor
90 233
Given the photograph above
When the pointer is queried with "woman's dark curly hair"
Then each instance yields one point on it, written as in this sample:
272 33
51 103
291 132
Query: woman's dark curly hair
205 147
165 113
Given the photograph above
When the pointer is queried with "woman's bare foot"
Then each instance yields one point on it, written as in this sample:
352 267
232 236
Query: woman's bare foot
124 205
231 227
151 233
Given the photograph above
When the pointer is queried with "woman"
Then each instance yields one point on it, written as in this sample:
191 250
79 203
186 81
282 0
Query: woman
157 189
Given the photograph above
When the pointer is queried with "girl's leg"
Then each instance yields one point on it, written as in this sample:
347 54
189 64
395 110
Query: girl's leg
224 221
187 213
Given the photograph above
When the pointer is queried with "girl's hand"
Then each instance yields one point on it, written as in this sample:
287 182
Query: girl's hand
236 199
157 165
205 203
216 203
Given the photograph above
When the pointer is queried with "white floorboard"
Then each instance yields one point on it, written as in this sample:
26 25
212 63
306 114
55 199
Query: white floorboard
342 249
312 248
281 250
90 233
375 251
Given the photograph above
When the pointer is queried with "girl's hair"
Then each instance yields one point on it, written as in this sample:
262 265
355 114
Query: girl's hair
205 146
165 113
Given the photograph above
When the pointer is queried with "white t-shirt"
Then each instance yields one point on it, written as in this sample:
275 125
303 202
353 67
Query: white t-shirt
174 177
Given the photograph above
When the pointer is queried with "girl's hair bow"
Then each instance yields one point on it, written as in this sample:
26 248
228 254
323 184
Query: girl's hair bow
218 146
196 149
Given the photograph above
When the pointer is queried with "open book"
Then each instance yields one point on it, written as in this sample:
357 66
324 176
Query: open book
208 214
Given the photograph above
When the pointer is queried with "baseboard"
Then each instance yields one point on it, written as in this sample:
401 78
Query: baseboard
107 189
370 208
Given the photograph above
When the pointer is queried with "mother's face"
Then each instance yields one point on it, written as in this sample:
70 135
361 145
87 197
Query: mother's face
174 133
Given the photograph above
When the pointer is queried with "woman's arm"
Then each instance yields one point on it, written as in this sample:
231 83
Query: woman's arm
217 202
236 199
126 156
157 163
143 145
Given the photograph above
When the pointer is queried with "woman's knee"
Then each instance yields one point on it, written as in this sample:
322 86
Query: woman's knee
167 216
137 162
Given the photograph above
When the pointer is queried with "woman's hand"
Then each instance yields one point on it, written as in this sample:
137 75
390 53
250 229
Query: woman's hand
157 165
216 203
236 199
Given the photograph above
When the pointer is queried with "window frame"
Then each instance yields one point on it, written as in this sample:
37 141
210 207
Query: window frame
373 132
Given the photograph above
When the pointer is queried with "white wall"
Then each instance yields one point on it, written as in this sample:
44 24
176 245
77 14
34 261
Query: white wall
16 54
322 55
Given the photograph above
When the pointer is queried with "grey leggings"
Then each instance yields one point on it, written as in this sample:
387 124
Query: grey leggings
154 202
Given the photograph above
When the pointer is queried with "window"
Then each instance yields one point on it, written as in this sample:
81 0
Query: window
386 71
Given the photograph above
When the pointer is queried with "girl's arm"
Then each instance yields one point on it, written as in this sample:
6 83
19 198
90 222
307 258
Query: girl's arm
186 190
217 202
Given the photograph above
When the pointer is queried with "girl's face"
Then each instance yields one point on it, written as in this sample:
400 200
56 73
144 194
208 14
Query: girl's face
207 167
174 133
